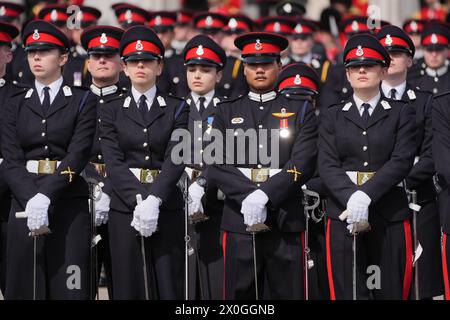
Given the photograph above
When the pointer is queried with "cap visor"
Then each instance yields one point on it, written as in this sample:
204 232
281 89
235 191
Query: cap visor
141 56
259 59
42 46
435 47
203 62
103 50
299 91
363 62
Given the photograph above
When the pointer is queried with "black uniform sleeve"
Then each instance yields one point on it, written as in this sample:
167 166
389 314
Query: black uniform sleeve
441 138
303 156
402 157
333 175
170 172
78 150
424 168
18 178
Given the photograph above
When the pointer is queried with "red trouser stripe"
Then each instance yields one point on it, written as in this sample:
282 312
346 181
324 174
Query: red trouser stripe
224 250
407 278
445 267
329 268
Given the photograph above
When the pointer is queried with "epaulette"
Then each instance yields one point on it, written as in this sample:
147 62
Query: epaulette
229 100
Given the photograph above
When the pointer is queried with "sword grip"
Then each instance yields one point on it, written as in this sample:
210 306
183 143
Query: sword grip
343 215
138 198
21 215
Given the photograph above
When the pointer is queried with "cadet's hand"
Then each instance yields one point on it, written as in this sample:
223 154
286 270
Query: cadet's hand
358 207
254 207
37 212
102 209
148 212
195 193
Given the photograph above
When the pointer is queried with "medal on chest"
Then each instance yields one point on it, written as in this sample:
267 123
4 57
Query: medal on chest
284 124
210 121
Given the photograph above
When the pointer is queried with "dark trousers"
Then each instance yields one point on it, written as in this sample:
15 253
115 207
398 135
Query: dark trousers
164 257
383 260
430 262
104 257
62 257
279 265
3 237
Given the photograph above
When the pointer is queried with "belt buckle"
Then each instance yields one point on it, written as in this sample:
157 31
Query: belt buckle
148 175
260 175
46 166
195 174
100 168
363 177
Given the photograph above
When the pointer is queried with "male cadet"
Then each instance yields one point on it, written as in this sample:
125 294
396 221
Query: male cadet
282 26
434 76
441 155
336 87
182 31
11 13
420 179
173 77
7 34
366 149
259 189
105 66
233 82
301 46
128 15
204 61
413 29
75 72
297 81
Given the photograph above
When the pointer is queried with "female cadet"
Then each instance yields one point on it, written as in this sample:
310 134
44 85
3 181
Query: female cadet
47 137
136 131
366 149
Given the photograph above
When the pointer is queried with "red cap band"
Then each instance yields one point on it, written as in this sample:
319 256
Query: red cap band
163 22
303 29
213 23
206 53
239 25
124 17
88 17
97 42
5 37
183 18
10 13
366 53
396 41
260 48
60 16
417 29
434 39
44 37
361 27
291 82
282 28
145 47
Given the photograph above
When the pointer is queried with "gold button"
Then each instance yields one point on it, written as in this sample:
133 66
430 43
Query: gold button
366 164
261 108
147 157
44 121
145 130
364 148
260 126
364 132
99 156
259 166
43 134
46 147
144 144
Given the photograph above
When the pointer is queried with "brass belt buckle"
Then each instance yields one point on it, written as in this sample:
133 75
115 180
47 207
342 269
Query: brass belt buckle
363 177
100 168
46 166
148 176
260 175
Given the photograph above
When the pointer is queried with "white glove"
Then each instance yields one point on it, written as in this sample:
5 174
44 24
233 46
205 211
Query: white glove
195 193
358 207
254 208
36 211
102 209
147 213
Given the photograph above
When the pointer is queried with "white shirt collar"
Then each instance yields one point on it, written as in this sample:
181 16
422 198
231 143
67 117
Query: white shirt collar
373 103
150 95
400 90
438 72
305 59
105 91
262 97
54 88
209 96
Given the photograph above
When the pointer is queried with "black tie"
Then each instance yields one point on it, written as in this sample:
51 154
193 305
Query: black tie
46 101
143 106
365 114
201 105
393 92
